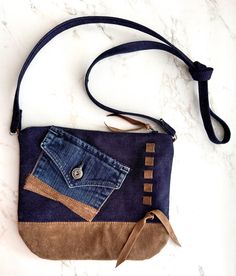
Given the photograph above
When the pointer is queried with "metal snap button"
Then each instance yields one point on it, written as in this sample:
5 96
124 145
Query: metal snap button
77 173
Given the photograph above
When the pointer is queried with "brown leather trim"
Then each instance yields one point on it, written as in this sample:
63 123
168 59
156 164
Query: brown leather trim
91 240
149 161
148 174
164 220
137 230
140 125
147 200
35 185
150 147
147 187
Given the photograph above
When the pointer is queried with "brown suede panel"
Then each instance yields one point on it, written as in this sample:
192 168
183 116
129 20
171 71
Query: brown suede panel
91 240
35 185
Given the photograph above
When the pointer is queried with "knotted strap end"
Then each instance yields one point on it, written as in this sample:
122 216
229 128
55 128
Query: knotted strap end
200 72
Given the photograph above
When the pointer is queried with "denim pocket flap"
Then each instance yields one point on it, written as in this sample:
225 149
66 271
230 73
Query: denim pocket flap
80 163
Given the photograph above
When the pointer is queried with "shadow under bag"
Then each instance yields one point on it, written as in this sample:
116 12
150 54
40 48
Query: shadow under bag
99 195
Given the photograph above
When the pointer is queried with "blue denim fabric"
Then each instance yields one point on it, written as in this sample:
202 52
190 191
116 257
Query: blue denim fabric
62 152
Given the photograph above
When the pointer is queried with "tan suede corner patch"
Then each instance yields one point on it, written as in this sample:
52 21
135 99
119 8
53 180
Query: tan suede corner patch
35 185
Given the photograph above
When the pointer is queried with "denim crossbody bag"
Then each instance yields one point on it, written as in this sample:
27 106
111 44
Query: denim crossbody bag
101 195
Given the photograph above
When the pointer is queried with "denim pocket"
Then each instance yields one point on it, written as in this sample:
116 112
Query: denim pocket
75 173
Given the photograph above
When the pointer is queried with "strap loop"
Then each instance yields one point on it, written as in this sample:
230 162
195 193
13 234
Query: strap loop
200 72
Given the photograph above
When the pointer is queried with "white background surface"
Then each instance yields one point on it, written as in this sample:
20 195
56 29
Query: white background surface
203 188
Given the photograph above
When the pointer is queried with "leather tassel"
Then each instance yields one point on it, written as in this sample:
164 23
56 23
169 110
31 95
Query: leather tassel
141 125
138 229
